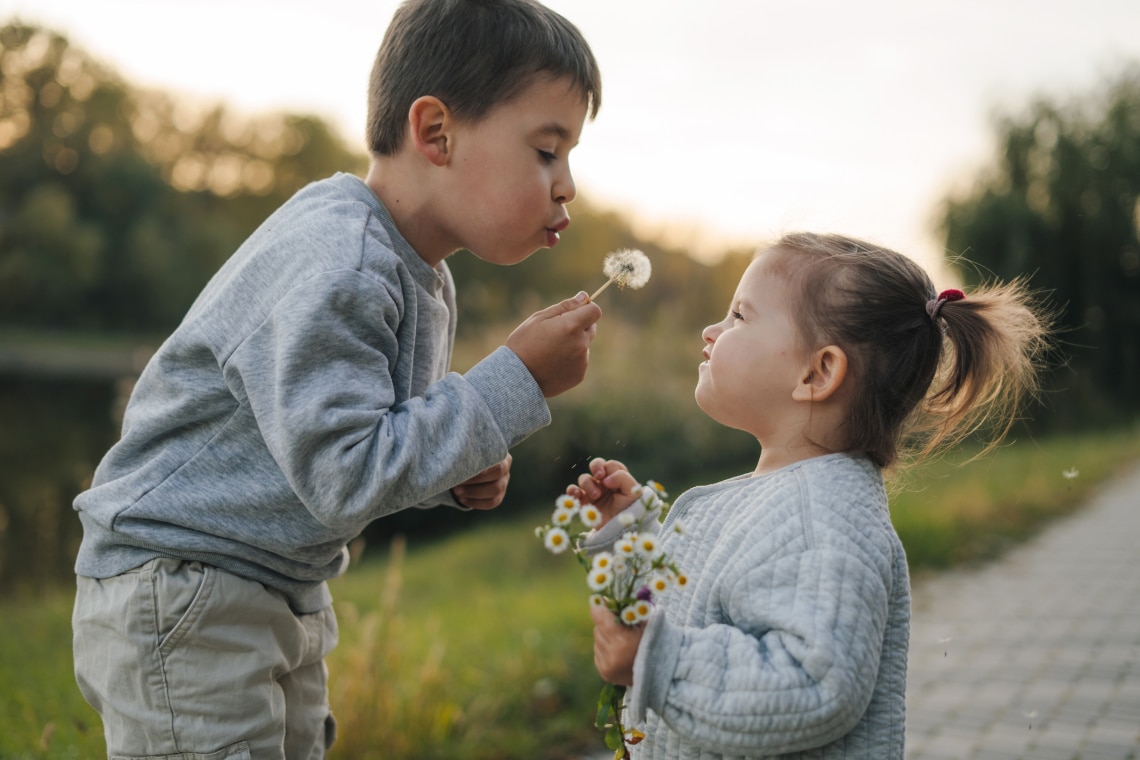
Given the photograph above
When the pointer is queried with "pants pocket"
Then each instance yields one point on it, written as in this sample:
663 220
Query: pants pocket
181 591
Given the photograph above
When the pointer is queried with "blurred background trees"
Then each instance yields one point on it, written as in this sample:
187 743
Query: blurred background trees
118 203
1061 205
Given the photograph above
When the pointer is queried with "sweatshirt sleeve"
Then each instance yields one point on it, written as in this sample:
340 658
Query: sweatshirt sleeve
318 377
792 667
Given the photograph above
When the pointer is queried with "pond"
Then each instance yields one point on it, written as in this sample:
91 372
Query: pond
52 435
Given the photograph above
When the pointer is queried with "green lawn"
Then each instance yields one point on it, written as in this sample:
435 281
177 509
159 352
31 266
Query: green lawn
479 646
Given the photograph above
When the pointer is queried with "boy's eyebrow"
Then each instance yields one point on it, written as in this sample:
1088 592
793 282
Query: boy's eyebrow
556 129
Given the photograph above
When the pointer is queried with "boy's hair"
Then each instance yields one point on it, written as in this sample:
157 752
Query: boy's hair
919 379
472 55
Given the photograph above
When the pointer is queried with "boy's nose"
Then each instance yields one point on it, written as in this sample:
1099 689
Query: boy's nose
564 190
709 334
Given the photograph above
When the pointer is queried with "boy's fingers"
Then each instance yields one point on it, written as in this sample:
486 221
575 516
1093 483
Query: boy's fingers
584 316
578 309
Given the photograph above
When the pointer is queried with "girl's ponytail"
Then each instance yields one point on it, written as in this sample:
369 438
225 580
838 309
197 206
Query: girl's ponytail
994 341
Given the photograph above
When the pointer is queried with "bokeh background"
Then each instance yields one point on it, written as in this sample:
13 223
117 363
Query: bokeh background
140 142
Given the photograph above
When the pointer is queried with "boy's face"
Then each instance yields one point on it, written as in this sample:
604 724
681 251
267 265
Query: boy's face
510 173
753 355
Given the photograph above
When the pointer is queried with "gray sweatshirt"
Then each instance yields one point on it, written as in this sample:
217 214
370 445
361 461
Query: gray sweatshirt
791 637
305 394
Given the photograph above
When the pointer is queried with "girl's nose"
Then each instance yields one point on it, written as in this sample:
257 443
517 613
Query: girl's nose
710 333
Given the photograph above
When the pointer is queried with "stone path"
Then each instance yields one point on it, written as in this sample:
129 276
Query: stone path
1036 656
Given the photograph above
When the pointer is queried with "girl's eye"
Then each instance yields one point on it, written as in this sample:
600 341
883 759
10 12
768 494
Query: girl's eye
737 315
547 157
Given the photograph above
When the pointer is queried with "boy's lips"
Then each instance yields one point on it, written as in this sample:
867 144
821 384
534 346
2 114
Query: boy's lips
552 232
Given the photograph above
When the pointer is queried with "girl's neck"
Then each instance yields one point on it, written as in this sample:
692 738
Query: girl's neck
774 458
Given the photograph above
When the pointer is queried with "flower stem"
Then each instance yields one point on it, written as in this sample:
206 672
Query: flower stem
599 290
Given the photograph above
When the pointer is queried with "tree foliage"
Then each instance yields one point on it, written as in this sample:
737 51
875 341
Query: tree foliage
116 204
1061 207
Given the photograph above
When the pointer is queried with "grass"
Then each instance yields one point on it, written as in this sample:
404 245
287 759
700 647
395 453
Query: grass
478 647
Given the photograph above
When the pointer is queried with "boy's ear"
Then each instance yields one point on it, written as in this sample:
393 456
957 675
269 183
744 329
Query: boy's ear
429 125
823 375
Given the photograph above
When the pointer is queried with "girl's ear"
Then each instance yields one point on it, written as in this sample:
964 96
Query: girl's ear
429 125
823 375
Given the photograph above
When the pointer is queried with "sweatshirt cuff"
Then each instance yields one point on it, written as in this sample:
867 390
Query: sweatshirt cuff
511 393
653 667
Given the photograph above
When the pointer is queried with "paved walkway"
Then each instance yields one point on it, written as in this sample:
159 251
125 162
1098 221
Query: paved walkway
1036 656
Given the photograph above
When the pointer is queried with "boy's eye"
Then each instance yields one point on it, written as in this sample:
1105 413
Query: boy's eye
547 157
736 315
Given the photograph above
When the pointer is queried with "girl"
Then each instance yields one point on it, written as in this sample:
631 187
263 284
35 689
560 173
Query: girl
790 638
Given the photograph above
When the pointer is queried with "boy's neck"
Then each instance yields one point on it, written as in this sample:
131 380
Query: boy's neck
406 196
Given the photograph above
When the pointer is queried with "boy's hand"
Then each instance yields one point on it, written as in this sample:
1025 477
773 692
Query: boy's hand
554 343
487 489
615 646
609 486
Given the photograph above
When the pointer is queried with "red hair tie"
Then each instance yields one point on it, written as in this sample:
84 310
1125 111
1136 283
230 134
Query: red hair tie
934 305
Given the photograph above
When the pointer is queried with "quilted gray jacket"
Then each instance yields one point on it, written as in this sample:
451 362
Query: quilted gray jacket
790 639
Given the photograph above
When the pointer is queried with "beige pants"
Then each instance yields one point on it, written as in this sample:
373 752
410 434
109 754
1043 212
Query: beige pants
184 661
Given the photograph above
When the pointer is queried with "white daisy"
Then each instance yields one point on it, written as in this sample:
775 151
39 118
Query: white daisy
568 502
629 615
647 544
562 517
599 578
590 516
557 540
626 519
642 608
659 582
603 561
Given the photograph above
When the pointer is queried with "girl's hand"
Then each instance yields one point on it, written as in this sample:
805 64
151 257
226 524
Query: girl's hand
615 646
487 489
608 486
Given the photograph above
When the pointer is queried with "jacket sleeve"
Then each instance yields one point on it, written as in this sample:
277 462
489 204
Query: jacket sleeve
792 667
317 375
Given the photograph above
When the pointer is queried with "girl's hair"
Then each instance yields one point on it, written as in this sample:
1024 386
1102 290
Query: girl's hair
472 55
920 381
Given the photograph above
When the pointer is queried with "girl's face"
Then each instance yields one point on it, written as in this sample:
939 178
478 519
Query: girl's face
753 356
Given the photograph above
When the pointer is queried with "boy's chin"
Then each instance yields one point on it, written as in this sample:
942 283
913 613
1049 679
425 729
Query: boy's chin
504 259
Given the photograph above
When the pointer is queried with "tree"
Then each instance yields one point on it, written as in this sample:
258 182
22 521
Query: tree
1061 207
117 204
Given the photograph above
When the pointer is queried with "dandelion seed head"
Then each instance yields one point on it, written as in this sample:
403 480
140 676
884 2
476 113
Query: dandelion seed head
629 268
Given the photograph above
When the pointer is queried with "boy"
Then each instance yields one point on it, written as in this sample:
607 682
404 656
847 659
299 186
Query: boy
306 392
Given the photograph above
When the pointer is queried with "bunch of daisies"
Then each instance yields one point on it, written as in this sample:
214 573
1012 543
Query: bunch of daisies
627 578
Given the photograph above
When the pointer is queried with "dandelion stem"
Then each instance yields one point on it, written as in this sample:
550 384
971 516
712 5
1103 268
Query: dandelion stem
598 292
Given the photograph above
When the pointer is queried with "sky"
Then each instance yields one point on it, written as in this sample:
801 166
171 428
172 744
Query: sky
724 123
